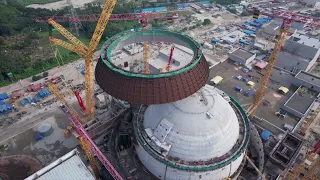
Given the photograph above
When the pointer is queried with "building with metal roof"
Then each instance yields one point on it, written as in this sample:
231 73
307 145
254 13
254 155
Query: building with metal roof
307 80
195 6
299 52
69 166
182 6
241 56
155 9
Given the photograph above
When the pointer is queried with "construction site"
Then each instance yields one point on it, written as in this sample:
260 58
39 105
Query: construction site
150 104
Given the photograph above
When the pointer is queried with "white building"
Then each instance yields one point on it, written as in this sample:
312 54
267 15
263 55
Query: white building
241 56
300 52
202 137
233 37
69 166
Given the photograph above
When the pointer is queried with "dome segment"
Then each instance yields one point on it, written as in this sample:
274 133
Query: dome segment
200 127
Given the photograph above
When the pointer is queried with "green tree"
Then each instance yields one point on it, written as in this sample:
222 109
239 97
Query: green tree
45 74
206 22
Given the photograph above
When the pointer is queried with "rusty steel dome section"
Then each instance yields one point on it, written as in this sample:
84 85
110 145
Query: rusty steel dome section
159 88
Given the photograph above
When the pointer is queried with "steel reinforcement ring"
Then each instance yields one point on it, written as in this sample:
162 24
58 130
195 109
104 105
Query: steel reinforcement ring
140 88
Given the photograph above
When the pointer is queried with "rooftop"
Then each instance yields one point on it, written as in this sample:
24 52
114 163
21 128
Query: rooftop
306 40
308 77
301 101
69 166
242 53
286 150
302 46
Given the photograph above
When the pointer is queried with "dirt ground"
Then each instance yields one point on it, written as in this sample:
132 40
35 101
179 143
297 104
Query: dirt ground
18 167
47 149
60 4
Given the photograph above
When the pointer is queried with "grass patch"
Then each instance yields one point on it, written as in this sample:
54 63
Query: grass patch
28 2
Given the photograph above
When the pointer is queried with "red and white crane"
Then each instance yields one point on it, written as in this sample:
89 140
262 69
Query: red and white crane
113 17
170 58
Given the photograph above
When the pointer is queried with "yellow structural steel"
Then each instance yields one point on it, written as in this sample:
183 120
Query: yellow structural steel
313 171
89 75
272 60
81 49
296 172
66 45
85 146
87 149
146 57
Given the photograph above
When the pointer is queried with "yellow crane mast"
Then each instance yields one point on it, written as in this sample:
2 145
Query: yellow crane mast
87 149
146 48
87 52
313 171
272 60
85 146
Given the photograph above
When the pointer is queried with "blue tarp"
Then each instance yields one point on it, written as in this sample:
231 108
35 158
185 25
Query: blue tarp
43 93
249 93
243 42
36 99
233 36
245 79
265 135
261 20
1 102
182 6
23 103
8 107
205 3
254 24
29 100
82 72
238 88
248 32
215 41
4 96
156 9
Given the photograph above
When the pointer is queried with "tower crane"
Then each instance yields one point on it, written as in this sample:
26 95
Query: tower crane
87 52
81 49
287 17
168 67
113 17
85 141
74 22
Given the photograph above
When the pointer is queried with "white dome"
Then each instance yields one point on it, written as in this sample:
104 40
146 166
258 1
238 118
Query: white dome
200 127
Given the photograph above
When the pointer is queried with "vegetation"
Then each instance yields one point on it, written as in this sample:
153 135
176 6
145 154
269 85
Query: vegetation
206 22
24 43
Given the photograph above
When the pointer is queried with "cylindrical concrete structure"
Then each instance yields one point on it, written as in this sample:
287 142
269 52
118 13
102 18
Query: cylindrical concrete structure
203 136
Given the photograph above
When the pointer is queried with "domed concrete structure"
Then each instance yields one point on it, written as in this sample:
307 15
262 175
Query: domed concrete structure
203 136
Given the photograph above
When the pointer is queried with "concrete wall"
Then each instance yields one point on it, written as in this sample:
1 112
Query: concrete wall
298 82
256 142
241 60
165 172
